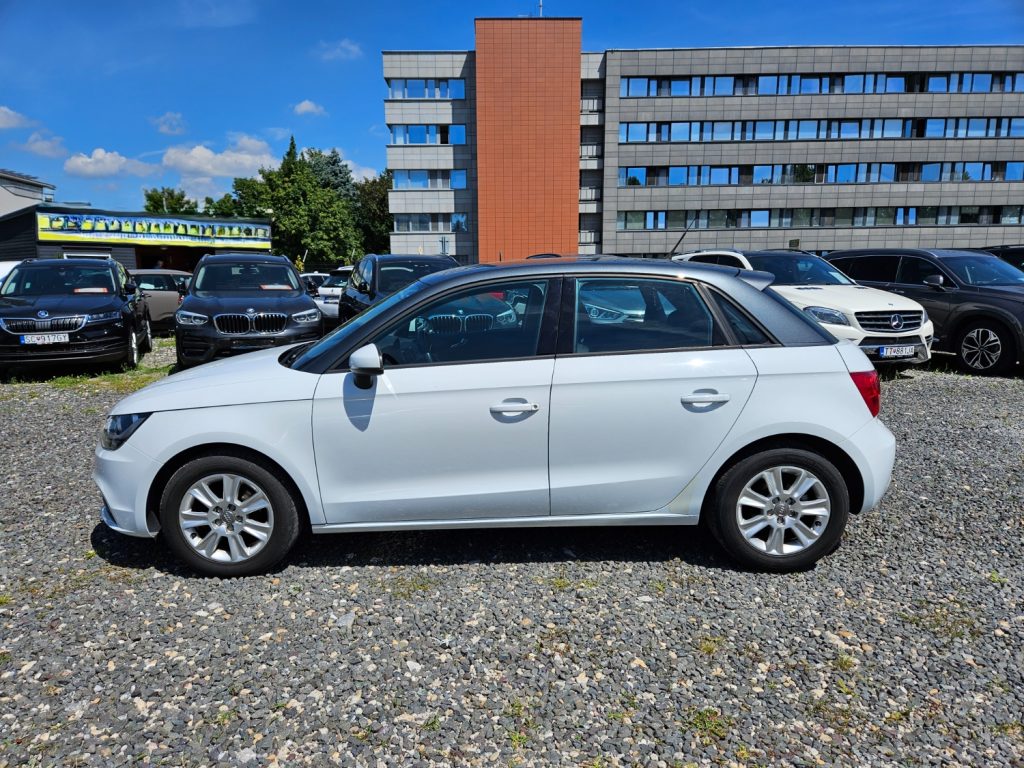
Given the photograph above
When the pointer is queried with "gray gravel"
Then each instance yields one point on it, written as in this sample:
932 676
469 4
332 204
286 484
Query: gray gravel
552 647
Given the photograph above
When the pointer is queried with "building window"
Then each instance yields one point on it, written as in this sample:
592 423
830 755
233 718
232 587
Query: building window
431 222
428 179
457 179
416 88
428 134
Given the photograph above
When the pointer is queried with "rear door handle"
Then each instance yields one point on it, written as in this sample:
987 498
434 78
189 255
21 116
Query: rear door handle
515 406
698 398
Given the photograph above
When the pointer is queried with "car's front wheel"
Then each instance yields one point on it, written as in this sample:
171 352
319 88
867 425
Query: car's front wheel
985 347
146 344
780 510
228 516
132 354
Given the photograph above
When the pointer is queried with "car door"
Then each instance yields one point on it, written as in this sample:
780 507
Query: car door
354 298
456 426
876 270
638 407
136 300
161 296
910 283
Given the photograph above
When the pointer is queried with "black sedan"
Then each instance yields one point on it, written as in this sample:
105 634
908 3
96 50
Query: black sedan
378 276
240 302
72 310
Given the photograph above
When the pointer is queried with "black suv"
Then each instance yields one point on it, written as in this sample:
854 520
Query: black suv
377 276
1011 254
240 302
975 299
67 310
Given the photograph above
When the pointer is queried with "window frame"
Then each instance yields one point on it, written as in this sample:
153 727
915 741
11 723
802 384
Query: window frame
948 280
567 317
545 341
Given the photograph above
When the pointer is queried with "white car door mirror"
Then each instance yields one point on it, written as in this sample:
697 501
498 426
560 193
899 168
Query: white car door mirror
365 363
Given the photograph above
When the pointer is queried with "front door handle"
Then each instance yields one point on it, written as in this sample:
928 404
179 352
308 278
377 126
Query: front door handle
515 406
698 398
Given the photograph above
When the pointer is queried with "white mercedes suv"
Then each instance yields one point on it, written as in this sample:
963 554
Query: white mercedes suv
489 397
889 328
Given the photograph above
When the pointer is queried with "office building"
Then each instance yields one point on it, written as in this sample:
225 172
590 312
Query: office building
527 144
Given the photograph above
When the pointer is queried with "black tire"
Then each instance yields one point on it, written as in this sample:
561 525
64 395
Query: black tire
285 521
722 511
979 341
133 354
146 340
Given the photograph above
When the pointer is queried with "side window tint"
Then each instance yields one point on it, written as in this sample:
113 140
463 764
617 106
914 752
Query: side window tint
499 322
914 270
730 261
709 259
873 269
744 328
627 315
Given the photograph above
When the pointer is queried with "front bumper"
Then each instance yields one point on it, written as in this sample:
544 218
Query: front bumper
872 344
197 345
106 343
123 477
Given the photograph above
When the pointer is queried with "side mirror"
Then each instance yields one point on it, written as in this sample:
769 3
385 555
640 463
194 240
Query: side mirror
182 289
365 363
936 282
130 288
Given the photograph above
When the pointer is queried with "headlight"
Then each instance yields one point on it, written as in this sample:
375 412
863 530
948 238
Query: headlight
309 316
104 317
602 315
508 317
120 428
924 315
190 318
826 315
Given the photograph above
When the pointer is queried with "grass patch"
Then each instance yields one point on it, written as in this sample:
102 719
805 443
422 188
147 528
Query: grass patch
5 599
121 382
562 583
5 658
950 621
433 723
520 729
225 717
408 586
709 646
708 723
844 662
996 578
1014 729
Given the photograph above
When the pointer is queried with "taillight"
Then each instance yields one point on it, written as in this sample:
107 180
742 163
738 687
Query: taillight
867 385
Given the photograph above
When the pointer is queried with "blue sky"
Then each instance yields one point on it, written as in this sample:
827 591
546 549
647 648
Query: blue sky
106 101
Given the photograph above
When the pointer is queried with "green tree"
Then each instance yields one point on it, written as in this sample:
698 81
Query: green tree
224 206
331 171
372 215
168 200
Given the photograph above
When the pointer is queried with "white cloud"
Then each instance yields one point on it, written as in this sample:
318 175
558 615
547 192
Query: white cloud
244 156
307 107
11 119
358 171
170 123
102 163
44 144
339 50
278 133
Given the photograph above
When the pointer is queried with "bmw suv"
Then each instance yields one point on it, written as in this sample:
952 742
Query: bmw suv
72 310
240 302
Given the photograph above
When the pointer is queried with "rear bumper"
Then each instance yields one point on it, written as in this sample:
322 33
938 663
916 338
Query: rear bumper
873 450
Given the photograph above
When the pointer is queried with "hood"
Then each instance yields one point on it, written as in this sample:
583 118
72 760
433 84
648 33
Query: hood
255 377
848 299
214 305
1009 292
59 305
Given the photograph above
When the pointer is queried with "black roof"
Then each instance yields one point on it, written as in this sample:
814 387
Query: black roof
255 258
410 256
83 261
935 253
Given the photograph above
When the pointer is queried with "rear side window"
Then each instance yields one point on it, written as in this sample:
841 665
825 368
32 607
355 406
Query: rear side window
638 315
707 259
871 269
747 333
155 283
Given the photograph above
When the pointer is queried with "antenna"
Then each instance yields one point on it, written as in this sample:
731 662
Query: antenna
679 242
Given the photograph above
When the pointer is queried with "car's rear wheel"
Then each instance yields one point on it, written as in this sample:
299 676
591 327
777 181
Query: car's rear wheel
146 343
985 347
132 354
780 510
228 516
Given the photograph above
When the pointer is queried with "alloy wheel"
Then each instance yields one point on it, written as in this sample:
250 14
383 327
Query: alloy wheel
981 348
226 518
783 510
133 349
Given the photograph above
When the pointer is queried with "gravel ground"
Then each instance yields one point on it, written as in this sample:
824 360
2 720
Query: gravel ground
550 647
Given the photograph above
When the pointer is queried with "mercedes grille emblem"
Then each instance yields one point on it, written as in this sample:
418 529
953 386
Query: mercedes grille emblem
896 321
42 313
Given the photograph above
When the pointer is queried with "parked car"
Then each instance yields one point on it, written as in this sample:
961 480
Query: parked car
376 277
330 292
724 402
6 267
887 327
1011 254
316 279
163 294
974 298
240 302
72 310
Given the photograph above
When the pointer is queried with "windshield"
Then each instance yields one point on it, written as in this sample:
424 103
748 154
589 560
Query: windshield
984 270
330 346
335 281
798 270
246 278
59 279
395 275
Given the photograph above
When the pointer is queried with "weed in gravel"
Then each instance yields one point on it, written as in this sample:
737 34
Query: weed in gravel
433 723
951 621
1013 729
225 717
520 730
406 587
708 723
995 578
5 658
5 599
844 662
709 646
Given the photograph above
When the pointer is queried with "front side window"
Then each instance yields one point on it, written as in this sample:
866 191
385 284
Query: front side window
914 269
616 315
495 322
871 269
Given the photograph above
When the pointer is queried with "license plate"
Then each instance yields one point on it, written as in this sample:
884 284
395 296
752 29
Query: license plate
896 351
44 338
331 300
